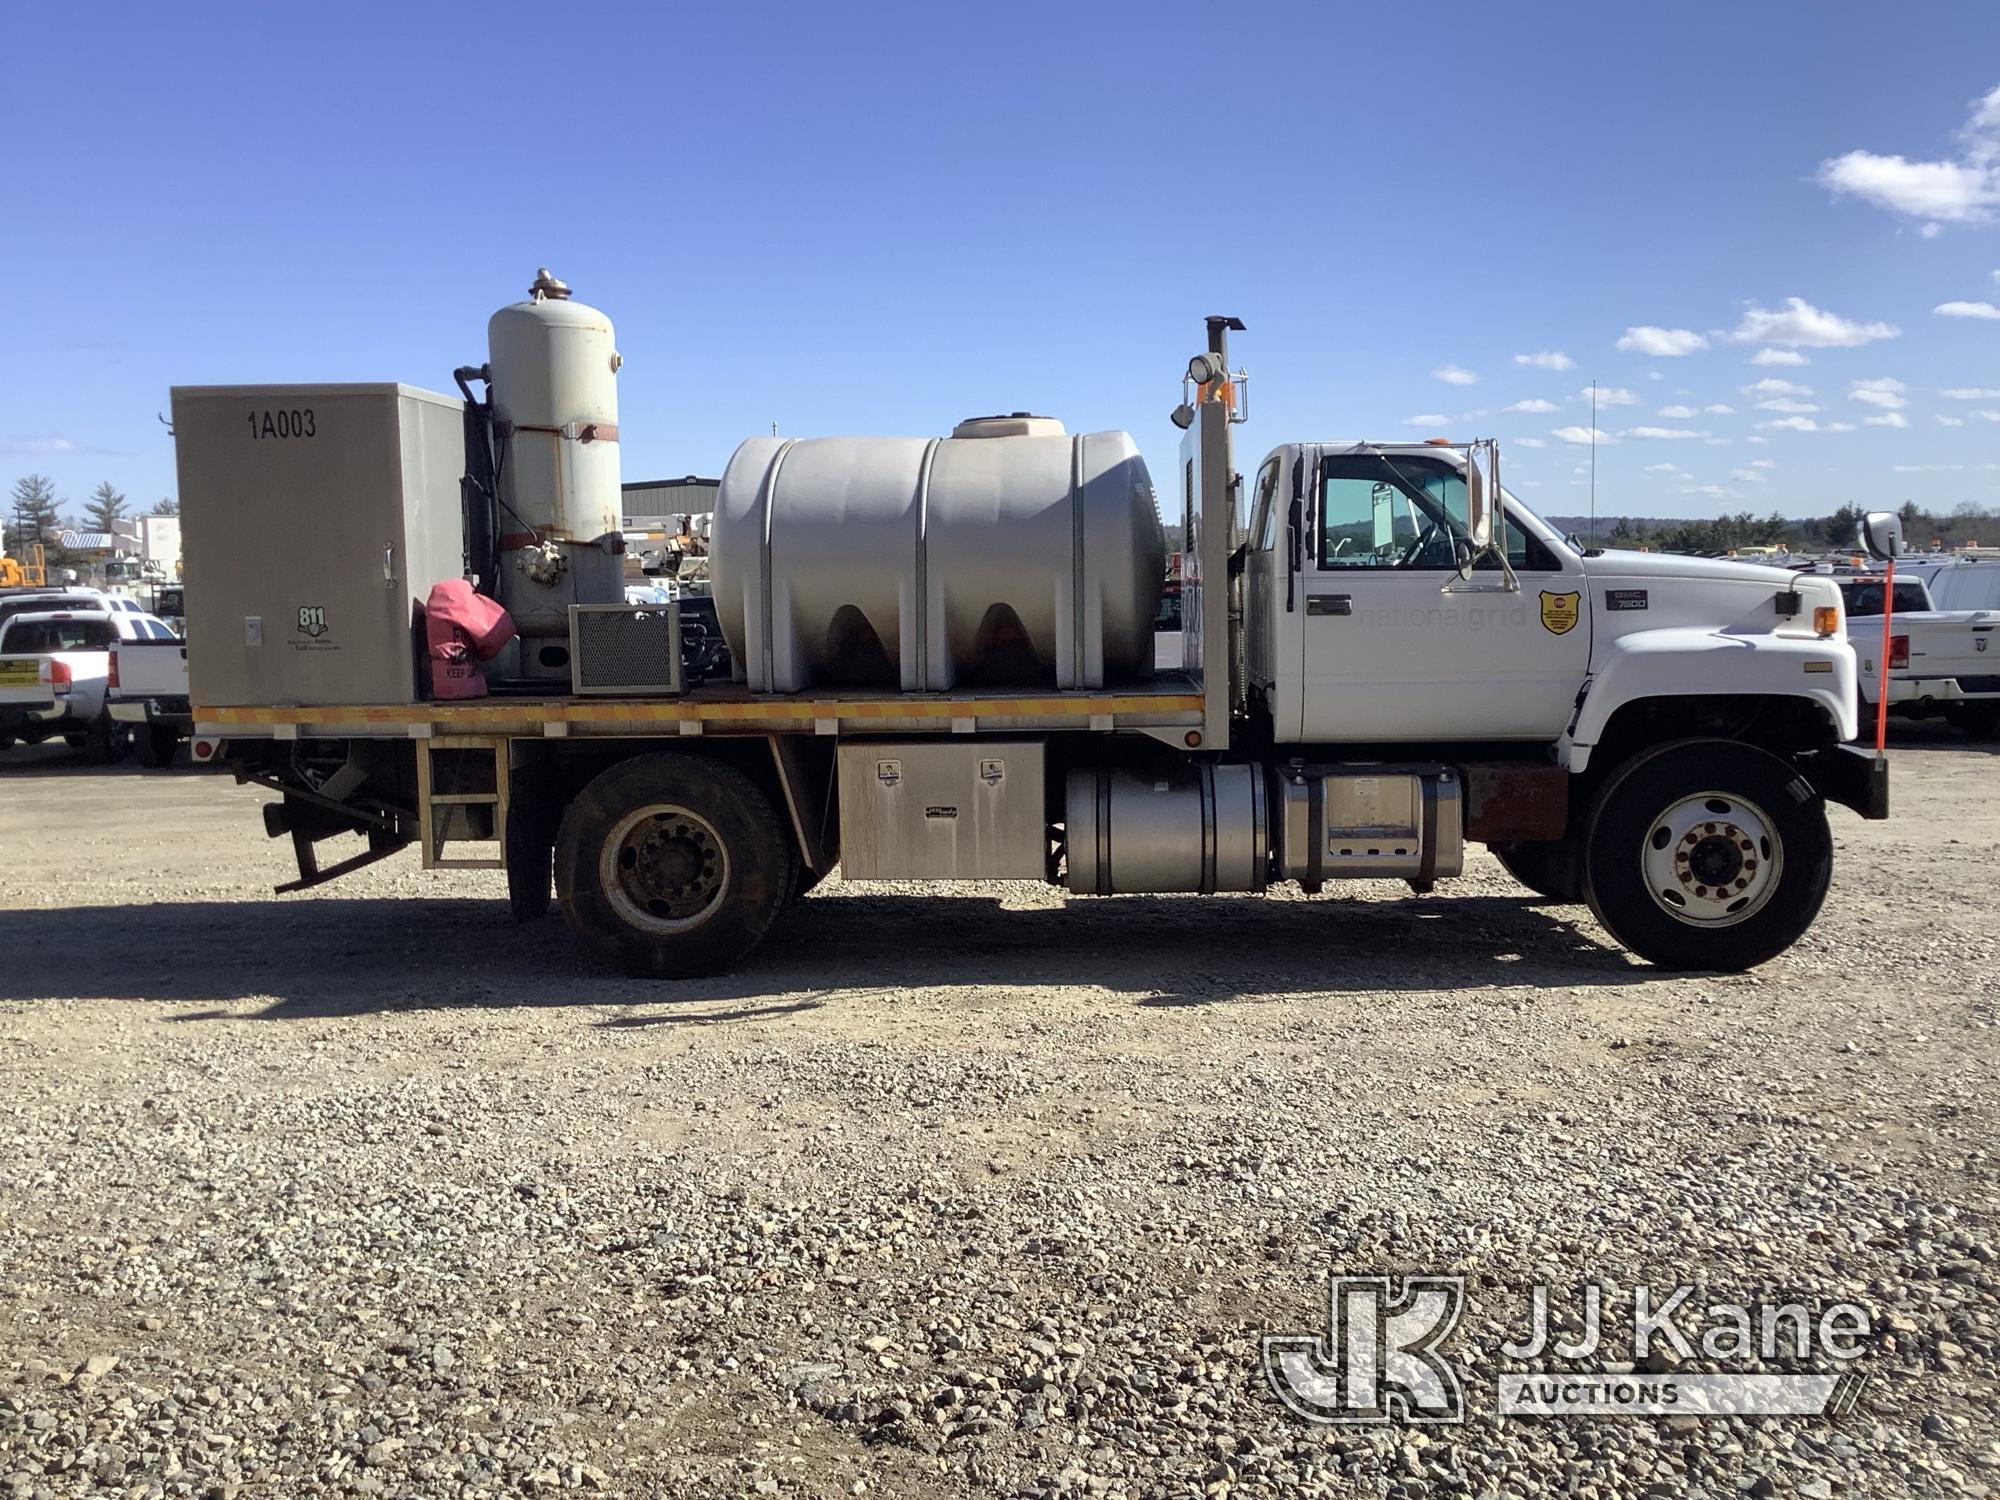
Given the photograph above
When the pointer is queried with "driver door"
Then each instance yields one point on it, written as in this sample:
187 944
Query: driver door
1397 647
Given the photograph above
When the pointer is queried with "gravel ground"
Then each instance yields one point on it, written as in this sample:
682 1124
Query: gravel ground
368 1192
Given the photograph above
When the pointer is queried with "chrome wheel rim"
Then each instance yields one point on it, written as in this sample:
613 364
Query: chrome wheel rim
664 868
1712 860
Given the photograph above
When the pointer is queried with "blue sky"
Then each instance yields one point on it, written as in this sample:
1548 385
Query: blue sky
885 218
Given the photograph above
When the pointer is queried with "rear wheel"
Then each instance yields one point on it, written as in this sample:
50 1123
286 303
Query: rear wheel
671 866
1980 720
158 744
105 742
1707 854
1548 868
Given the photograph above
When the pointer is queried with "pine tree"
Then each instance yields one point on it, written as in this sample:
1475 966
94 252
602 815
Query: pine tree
167 507
33 511
105 508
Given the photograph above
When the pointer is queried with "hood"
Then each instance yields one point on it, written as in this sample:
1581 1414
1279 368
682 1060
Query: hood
1617 563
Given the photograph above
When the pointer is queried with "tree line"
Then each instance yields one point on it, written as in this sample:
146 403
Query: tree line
35 514
1963 525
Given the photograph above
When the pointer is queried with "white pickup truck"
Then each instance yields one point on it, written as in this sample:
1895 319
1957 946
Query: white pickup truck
55 670
1942 662
148 692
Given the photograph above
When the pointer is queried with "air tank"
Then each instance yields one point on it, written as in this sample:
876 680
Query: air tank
1008 554
552 368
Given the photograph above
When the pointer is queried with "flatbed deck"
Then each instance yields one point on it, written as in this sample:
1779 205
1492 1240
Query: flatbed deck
1170 701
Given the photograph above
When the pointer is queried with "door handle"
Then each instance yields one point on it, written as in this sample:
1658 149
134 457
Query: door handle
1329 604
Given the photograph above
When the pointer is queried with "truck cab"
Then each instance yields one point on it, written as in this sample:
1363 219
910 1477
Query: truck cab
1371 616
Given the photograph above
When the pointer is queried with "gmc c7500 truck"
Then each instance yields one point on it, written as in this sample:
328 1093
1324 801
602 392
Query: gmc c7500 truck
942 667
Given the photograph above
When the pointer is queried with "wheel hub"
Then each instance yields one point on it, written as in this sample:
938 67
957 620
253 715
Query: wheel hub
1712 859
664 868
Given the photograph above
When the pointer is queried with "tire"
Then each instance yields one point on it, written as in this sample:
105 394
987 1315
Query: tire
1665 822
1980 720
158 745
1549 869
106 741
672 866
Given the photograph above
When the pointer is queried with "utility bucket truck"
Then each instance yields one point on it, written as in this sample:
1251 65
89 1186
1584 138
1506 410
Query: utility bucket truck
941 667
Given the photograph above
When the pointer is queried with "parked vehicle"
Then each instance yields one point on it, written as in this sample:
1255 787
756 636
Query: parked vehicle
147 689
943 667
55 669
1942 662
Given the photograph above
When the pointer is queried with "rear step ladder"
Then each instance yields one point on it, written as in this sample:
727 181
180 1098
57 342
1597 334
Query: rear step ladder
457 772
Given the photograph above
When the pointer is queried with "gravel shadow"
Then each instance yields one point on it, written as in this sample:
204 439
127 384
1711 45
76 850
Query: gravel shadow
320 957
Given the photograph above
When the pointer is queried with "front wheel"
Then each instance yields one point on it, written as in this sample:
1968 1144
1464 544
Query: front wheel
671 866
1981 720
1707 854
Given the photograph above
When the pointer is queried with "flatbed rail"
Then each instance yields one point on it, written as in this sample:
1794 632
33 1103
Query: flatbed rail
1172 704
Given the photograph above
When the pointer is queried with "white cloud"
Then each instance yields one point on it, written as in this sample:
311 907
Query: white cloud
1970 393
1534 406
1754 439
1787 404
1548 359
1748 476
1885 393
1663 432
1610 395
1888 419
1453 375
1944 421
26 446
1713 491
1665 469
1763 463
1661 343
1717 409
1838 427
1962 189
1582 435
1988 416
1427 419
1779 357
1770 385
1679 413
1966 310
1798 322
1792 424
1530 443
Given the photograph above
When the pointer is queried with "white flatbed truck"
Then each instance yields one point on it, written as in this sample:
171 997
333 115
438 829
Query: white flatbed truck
1385 659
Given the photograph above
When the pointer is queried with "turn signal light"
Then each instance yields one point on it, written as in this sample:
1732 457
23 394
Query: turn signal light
1826 619
59 675
111 672
1899 651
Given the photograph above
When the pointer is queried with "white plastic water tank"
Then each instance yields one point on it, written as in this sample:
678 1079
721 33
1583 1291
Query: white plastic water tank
1010 554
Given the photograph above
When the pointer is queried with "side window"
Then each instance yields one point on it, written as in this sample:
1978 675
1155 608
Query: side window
1380 513
1263 528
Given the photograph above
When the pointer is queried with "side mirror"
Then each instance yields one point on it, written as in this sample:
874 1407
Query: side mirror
1881 535
1463 557
1482 492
